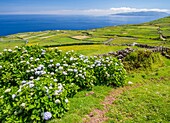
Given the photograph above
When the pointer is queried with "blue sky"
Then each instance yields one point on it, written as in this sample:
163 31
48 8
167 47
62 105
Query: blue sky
81 6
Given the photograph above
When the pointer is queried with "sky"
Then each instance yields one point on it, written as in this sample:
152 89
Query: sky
81 7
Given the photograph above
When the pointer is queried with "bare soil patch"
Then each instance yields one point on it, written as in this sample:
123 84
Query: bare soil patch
80 37
97 115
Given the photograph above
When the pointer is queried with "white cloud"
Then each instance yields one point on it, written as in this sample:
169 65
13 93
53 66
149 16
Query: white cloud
128 9
120 10
93 11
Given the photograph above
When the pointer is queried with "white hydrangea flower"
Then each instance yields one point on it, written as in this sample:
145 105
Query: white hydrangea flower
58 64
23 82
66 65
27 62
9 50
57 101
31 85
64 73
31 77
66 100
55 80
75 70
7 90
16 47
23 105
52 73
31 58
130 83
5 50
60 68
13 96
19 90
71 58
70 70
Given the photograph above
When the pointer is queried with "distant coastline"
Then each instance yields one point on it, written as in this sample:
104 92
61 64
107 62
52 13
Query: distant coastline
12 24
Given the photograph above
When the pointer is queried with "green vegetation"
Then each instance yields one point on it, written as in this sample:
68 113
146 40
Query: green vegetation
142 60
35 84
92 49
144 98
148 102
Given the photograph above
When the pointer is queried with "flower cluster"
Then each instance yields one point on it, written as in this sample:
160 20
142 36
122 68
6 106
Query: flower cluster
36 83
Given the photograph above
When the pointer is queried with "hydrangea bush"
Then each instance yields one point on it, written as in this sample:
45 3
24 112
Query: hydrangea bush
36 83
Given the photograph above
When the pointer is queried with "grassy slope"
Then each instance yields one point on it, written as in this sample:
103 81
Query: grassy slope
151 100
147 103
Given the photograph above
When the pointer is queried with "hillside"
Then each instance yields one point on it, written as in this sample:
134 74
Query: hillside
112 74
144 13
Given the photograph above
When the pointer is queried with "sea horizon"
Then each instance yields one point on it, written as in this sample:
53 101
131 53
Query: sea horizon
21 23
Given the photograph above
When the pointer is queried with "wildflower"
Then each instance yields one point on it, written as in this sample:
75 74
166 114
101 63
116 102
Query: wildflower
37 73
55 80
43 72
58 64
0 67
27 71
1 97
23 105
60 86
50 65
66 100
64 73
39 68
47 115
116 64
71 58
9 50
37 59
37 79
31 85
57 101
60 68
13 96
23 82
15 113
52 73
66 65
31 77
5 50
16 47
31 58
57 92
130 83
75 70
51 60
7 90
70 70
27 62
19 90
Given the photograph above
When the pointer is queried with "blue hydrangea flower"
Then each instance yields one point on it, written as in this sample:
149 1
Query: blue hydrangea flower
47 115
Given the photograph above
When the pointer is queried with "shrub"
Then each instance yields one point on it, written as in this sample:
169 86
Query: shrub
36 83
141 59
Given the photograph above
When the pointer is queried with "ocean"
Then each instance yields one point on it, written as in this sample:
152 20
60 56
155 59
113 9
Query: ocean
11 24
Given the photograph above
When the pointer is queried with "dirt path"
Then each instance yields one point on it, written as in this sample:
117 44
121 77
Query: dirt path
98 116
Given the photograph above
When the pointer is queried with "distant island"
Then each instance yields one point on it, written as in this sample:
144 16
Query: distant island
144 13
